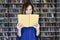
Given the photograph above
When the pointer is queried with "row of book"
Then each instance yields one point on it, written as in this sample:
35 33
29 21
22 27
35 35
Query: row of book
13 20
21 1
48 38
7 24
4 21
52 15
58 24
35 5
57 15
48 29
47 33
57 19
50 19
15 10
3 10
49 24
15 5
47 15
17 1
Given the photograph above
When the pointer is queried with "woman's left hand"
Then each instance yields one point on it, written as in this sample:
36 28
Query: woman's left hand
36 25
37 28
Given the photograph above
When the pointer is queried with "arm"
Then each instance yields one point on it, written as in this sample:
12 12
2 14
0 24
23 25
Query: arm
19 26
19 32
37 29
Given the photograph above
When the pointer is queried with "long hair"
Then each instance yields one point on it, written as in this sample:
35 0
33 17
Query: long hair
24 7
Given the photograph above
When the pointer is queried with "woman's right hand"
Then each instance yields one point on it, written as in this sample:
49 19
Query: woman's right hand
19 25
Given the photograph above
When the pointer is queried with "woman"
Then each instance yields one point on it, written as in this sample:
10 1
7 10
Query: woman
27 33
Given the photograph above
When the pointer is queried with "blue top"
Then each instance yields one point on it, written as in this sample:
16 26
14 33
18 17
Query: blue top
28 33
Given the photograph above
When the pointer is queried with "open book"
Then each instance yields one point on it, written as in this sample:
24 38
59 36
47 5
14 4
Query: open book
28 20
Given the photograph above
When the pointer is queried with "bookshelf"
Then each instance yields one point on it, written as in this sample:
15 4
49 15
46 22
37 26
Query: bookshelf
49 11
3 21
50 20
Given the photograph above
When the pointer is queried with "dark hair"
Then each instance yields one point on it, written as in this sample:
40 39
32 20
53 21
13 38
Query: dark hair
24 7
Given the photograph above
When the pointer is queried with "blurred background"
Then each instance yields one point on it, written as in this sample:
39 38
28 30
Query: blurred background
49 15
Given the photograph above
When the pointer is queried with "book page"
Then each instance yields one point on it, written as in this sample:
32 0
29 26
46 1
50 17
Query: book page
24 19
28 20
33 19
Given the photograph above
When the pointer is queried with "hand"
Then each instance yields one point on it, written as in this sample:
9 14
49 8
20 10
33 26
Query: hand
37 28
19 25
36 25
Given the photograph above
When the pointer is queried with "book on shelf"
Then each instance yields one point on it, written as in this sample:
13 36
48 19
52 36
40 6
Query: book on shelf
0 24
13 1
9 1
37 0
10 10
21 1
3 10
48 38
1 20
6 5
57 19
10 6
6 24
12 19
0 1
45 10
16 10
14 6
13 10
46 19
5 19
1 6
1 15
41 19
49 15
17 1
18 6
4 1
41 24
11 15
48 24
58 15
52 33
44 1
37 10
5 14
28 20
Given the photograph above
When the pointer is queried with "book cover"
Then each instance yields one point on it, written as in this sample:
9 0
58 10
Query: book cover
28 20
